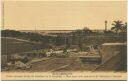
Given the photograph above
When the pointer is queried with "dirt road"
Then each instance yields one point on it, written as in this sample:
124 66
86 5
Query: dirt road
61 64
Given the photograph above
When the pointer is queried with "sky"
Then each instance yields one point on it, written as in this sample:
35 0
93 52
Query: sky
62 15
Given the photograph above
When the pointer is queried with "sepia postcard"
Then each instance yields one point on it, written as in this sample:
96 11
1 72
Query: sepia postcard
63 40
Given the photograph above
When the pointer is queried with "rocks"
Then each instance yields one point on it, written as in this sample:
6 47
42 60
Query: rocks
22 65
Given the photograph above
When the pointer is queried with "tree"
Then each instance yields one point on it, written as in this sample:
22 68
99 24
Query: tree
117 25
124 28
78 32
108 32
86 30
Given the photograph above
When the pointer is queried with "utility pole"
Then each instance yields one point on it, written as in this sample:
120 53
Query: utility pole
105 25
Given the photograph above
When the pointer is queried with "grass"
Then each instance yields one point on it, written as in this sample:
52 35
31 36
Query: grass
12 46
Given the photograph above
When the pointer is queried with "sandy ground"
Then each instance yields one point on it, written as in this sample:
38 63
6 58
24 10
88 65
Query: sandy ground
59 64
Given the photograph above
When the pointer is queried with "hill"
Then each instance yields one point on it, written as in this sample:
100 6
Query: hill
13 45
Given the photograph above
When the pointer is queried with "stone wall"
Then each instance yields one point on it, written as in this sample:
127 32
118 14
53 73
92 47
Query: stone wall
110 50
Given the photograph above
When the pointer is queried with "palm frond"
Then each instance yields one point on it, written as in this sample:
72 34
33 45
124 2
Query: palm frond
113 28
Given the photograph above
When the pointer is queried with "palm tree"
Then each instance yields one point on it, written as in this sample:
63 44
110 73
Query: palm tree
117 25
124 28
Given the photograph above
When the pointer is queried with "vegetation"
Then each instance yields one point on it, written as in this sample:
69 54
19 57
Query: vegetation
74 37
36 37
124 28
119 26
86 30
